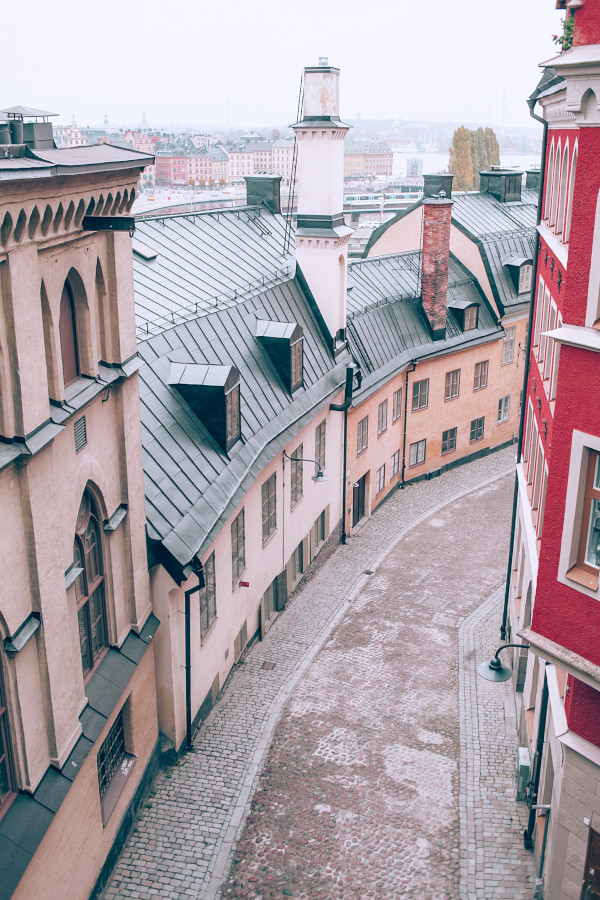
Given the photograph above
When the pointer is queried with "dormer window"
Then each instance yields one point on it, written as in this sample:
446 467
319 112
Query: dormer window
213 394
519 270
525 278
296 365
232 401
470 318
283 342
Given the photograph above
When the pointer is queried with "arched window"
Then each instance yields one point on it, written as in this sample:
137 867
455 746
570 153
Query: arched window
555 186
570 201
68 336
8 786
560 218
89 586
549 178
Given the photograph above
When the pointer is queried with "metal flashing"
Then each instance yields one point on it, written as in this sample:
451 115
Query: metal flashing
111 524
15 643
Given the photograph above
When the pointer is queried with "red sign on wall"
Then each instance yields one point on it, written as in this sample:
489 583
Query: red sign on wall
244 584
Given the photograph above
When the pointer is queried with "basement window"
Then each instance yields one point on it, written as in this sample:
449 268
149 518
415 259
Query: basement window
114 767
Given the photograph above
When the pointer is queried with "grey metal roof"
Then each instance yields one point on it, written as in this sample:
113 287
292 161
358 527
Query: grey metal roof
205 261
70 161
386 327
191 485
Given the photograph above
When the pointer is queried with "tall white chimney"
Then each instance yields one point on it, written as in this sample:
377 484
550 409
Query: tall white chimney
321 235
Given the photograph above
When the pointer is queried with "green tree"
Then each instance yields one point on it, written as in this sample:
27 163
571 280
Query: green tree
461 159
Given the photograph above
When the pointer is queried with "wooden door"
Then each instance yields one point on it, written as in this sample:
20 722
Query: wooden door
591 882
358 500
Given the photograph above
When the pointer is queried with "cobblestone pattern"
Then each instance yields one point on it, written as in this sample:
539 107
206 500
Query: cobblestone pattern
493 861
182 842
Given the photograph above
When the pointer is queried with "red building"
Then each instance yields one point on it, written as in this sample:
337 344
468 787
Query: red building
553 588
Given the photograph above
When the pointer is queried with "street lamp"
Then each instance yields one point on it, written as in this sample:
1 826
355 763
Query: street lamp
495 670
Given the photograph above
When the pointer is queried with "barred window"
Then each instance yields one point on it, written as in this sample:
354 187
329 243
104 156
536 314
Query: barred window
397 405
362 440
269 508
320 446
238 546
481 375
208 596
111 754
380 479
296 489
382 416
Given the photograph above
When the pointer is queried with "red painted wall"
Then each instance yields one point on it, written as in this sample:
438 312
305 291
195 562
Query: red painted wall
587 186
587 24
564 614
582 706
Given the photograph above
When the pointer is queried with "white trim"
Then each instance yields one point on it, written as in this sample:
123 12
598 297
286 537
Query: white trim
559 716
554 245
593 299
576 336
528 531
581 746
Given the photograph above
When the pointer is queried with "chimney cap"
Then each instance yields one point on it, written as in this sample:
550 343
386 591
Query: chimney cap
324 61
19 112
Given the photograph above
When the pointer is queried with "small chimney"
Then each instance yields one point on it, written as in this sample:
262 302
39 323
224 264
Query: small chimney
502 184
433 184
437 217
265 189
533 179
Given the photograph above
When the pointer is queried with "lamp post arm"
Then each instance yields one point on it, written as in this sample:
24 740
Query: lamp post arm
504 647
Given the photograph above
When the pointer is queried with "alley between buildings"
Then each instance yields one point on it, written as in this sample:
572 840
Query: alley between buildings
352 754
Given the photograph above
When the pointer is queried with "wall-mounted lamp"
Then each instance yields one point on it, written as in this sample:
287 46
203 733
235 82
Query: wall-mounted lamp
545 424
495 670
552 266
319 478
534 383
539 400
559 280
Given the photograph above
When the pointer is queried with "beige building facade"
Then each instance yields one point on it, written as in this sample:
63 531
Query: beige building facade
78 730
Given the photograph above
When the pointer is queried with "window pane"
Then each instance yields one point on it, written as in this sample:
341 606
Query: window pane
592 553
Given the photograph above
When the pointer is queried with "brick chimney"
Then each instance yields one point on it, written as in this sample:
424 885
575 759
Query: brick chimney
437 214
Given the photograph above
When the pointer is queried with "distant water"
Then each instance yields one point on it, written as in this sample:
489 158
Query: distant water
438 162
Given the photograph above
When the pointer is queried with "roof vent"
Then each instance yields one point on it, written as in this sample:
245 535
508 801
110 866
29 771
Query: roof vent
502 184
80 433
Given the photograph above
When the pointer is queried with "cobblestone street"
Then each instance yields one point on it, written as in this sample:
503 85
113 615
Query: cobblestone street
364 760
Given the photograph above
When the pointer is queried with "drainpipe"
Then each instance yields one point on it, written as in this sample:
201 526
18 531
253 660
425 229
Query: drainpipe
503 627
410 369
344 407
198 570
537 766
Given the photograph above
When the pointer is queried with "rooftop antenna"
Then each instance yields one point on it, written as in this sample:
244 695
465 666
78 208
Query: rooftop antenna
292 191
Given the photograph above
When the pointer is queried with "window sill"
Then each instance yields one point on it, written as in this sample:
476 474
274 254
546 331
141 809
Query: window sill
508 362
415 464
419 408
295 504
236 582
205 636
269 538
449 399
482 388
583 577
360 452
383 431
448 452
116 787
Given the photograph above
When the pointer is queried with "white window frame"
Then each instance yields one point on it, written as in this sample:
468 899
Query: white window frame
508 344
503 409
581 443
380 482
415 457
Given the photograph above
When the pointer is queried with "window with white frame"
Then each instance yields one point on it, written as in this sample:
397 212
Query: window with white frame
269 508
395 464
539 303
525 278
481 375
417 453
549 179
562 197
503 409
320 446
508 345
470 318
382 417
380 479
570 200
397 405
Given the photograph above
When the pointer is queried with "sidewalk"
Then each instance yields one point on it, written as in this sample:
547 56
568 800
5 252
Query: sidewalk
182 844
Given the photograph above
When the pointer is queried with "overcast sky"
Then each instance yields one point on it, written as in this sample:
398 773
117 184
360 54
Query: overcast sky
239 61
